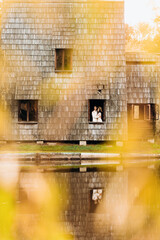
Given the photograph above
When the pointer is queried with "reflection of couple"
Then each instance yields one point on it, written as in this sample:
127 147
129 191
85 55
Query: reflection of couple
97 114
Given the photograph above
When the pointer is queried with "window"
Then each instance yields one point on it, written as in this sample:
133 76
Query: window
28 111
96 201
96 111
140 62
155 111
147 112
138 112
22 195
143 111
63 59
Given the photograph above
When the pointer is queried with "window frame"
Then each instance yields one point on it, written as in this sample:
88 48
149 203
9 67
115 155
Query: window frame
145 110
63 59
133 111
104 110
27 121
92 209
153 110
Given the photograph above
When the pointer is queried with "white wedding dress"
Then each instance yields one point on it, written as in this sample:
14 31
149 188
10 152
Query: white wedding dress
99 117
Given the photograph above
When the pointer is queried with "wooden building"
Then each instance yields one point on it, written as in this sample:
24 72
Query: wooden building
63 58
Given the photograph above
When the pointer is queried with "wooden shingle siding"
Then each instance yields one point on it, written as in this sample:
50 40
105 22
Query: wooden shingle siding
31 31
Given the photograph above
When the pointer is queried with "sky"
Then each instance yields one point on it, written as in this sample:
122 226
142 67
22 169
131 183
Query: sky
141 11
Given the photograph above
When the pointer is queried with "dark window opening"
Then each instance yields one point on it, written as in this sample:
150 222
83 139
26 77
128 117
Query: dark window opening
96 111
63 59
22 195
97 201
155 111
28 111
140 62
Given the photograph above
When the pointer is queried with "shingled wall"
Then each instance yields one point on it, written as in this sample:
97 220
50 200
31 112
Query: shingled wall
31 30
143 80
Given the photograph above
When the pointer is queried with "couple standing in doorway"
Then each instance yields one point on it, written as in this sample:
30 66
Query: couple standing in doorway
97 114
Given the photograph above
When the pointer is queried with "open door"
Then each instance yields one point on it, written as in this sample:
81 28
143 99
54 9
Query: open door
141 120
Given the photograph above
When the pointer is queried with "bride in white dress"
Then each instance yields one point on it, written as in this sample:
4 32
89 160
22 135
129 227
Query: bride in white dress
99 114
